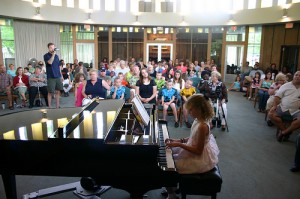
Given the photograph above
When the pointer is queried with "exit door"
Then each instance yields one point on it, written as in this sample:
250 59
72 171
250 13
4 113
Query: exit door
157 52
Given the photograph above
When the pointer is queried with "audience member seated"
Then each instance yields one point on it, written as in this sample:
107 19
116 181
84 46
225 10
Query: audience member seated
169 99
280 79
11 71
133 80
95 87
263 94
123 68
160 82
217 92
146 88
169 74
117 91
21 84
236 85
203 81
6 83
78 86
182 67
67 83
286 103
38 83
81 69
178 83
151 71
254 85
185 93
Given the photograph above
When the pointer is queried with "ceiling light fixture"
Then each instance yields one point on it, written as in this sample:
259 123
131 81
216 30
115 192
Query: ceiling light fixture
284 13
37 11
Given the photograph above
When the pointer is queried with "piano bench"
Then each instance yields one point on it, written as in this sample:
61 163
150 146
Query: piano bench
207 184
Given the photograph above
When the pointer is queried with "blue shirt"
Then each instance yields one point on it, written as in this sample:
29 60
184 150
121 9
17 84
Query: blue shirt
168 94
119 93
95 90
52 70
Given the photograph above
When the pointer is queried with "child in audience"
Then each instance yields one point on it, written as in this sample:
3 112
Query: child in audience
236 85
168 99
254 85
185 93
117 91
199 152
79 79
160 82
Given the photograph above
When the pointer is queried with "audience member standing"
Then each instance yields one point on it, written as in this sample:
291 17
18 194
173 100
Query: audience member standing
54 77
79 83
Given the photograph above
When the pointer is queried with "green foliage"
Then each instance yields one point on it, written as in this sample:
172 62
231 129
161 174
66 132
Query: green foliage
7 36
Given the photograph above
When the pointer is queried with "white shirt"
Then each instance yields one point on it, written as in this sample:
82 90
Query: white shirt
290 98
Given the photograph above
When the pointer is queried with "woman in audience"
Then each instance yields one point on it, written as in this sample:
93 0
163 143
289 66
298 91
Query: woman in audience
280 79
263 91
94 87
178 83
21 84
169 74
38 83
199 152
217 92
146 88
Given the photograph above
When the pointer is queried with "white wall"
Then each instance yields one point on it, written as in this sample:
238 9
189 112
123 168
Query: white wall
26 10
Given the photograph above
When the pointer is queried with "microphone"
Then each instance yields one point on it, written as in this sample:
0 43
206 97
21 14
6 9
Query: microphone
56 49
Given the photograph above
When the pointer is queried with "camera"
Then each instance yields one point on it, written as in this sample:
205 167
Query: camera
56 49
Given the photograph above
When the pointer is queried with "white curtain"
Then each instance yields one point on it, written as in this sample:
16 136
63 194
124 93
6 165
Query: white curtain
31 39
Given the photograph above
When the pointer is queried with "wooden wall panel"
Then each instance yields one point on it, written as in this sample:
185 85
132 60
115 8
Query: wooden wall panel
291 35
267 45
279 35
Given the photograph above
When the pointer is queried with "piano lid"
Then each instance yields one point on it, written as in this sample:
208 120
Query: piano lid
92 123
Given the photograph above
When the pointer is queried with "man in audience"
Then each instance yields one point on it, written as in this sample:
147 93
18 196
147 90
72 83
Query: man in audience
54 76
6 82
81 69
287 103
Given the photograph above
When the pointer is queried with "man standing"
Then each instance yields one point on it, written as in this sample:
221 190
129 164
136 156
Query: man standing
54 77
6 83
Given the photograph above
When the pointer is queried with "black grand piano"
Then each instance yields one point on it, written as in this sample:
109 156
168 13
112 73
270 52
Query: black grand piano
108 140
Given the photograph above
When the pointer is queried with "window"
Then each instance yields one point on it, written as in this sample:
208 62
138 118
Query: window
96 5
70 3
252 4
281 2
7 39
235 33
85 32
56 3
238 5
122 5
266 3
66 43
83 4
254 41
109 5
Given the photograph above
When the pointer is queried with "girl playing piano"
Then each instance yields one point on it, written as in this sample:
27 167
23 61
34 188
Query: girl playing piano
199 152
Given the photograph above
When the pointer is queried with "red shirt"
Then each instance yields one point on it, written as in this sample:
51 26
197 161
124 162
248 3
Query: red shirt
24 78
182 68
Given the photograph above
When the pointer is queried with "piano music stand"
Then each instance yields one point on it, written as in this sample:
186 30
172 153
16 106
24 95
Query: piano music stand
79 191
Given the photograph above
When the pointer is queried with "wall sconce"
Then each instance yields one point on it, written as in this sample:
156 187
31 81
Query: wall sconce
89 16
284 13
37 11
136 18
182 19
231 18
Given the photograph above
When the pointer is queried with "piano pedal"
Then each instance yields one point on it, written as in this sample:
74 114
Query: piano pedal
88 194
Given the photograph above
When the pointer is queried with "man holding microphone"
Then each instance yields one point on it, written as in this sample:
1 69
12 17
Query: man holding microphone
54 76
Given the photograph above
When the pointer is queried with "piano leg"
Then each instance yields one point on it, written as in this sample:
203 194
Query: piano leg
9 182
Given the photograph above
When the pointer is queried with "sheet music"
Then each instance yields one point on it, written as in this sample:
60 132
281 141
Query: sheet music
141 111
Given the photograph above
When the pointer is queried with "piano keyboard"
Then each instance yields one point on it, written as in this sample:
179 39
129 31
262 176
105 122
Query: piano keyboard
165 157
